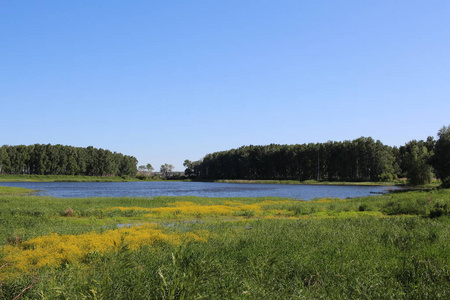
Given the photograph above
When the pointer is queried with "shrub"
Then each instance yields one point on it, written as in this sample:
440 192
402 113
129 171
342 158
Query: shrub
385 177
362 207
439 209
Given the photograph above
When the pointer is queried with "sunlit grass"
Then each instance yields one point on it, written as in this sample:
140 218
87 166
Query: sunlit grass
54 249
387 246
4 190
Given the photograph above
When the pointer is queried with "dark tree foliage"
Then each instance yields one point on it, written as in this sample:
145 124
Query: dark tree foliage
441 158
415 157
64 160
358 160
192 168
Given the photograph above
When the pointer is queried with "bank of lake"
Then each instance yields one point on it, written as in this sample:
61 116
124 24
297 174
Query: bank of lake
76 178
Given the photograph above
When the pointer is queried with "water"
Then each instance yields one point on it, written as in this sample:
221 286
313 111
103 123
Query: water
204 189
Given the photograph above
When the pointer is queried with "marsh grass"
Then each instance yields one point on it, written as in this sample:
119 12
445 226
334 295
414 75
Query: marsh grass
392 246
4 190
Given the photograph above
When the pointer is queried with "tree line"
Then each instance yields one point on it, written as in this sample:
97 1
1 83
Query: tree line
64 160
362 159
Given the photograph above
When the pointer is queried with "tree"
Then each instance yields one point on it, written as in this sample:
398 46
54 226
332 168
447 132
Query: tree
192 168
166 170
128 166
441 157
141 168
72 165
415 158
357 160
146 169
64 160
188 165
4 160
149 169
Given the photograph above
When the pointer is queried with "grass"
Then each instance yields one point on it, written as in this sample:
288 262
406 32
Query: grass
392 246
14 191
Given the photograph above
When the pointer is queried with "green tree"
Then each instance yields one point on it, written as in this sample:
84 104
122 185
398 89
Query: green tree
149 168
441 157
188 165
192 168
146 169
166 170
4 160
415 163
128 166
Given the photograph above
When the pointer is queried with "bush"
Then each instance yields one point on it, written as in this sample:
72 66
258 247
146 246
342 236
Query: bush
386 177
439 209
405 207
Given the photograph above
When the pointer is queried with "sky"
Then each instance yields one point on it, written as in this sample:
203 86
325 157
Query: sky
166 81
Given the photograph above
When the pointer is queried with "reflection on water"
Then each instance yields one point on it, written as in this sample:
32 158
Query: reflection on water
204 189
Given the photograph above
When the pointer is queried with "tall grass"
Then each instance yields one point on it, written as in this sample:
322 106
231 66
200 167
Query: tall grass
393 246
370 258
4 190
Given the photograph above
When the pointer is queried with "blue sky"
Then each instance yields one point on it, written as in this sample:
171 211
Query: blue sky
166 81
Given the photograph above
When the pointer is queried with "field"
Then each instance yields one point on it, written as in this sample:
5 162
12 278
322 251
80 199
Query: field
392 246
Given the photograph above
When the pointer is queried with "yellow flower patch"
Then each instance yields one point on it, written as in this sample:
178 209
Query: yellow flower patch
329 200
220 210
191 209
54 249
136 208
182 203
182 209
231 203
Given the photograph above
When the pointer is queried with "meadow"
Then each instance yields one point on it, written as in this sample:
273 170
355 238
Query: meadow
392 246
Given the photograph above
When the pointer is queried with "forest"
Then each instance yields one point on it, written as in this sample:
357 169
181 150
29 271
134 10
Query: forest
64 160
362 159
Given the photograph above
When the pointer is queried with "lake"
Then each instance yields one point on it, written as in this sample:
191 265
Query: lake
203 189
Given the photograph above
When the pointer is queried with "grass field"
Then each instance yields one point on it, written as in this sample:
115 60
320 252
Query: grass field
392 246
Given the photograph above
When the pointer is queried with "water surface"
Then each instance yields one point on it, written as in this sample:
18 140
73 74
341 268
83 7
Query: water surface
203 189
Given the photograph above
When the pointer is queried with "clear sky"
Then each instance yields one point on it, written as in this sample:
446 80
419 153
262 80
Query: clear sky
166 81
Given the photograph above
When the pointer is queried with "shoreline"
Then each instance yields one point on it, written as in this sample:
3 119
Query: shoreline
7 191
69 178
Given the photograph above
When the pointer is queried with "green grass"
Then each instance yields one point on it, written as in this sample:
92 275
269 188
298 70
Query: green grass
392 246
14 191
